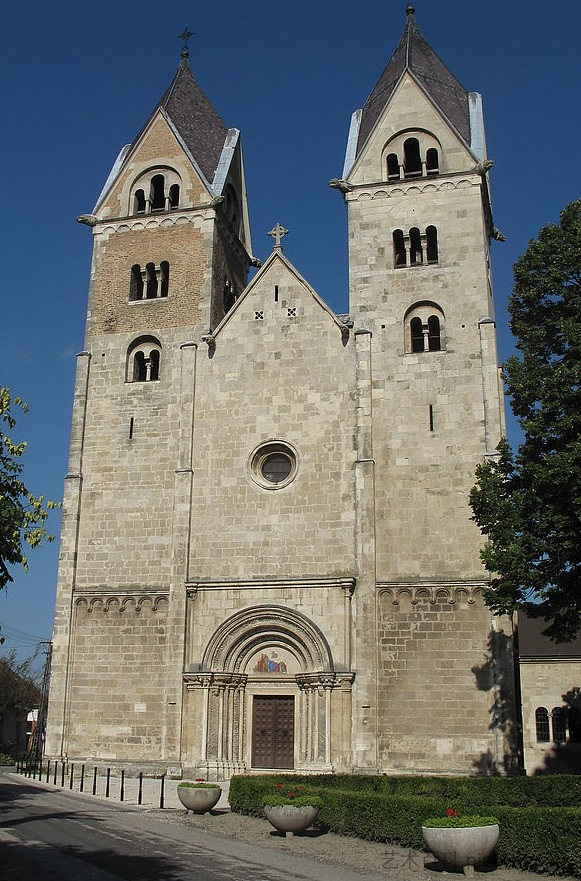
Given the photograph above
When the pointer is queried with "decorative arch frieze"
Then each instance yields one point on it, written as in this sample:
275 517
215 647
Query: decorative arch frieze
432 594
122 602
370 193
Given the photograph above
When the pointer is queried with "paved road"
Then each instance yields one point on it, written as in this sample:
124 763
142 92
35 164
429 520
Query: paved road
58 837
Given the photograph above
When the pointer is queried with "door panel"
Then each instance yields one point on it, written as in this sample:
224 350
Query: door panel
273 731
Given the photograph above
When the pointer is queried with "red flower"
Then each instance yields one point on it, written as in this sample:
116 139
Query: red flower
450 812
301 787
291 795
279 785
199 779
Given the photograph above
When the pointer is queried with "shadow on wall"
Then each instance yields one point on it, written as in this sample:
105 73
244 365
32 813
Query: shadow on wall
565 757
496 675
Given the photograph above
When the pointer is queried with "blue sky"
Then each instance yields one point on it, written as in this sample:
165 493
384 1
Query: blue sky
80 79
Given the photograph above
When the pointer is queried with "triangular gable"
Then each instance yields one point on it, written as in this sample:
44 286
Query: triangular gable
276 255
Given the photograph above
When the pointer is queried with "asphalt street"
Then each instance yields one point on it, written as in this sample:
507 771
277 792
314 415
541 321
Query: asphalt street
58 837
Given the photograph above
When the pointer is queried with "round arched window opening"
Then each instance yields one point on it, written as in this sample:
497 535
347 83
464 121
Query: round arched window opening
273 465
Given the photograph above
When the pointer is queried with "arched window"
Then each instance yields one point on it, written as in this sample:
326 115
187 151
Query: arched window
164 272
139 369
417 335
412 163
157 193
542 724
136 285
559 722
432 166
139 202
231 209
174 195
392 167
434 333
416 253
399 252
574 720
143 360
424 328
151 275
432 244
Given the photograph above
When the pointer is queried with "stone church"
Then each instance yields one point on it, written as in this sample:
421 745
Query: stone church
267 555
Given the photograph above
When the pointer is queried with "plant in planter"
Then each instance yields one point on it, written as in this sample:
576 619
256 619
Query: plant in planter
291 811
199 796
461 842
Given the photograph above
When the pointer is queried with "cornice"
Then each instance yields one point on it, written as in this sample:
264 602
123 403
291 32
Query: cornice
193 587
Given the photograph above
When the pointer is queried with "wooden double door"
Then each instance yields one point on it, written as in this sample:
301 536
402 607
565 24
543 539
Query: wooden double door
273 731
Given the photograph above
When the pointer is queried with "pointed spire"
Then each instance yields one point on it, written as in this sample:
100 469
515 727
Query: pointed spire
192 114
413 53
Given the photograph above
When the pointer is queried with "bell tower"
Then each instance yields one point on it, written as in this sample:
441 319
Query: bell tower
171 255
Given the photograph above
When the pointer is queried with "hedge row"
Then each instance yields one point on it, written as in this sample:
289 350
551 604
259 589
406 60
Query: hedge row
541 839
464 793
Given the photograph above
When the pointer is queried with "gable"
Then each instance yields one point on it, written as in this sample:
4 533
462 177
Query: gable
158 147
409 109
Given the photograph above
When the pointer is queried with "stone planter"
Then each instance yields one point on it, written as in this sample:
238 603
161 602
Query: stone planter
289 818
199 799
461 848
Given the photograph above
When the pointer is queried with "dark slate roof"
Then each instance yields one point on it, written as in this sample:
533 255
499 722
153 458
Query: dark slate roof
200 126
413 53
532 643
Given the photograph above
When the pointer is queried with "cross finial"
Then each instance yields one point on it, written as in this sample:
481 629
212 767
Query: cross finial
277 233
185 36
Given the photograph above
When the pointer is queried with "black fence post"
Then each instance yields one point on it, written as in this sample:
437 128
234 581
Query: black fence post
162 791
122 793
82 784
72 775
56 764
47 770
95 781
108 782
62 775
140 790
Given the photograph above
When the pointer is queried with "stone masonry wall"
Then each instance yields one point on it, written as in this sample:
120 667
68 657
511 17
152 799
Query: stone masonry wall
548 684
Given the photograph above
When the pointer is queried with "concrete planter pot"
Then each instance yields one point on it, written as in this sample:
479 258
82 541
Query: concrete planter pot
290 819
199 799
461 848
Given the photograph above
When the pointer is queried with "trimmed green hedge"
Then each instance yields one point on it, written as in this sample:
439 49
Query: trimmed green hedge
537 837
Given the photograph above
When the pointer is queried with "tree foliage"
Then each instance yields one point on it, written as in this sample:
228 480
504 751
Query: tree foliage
22 514
19 687
529 503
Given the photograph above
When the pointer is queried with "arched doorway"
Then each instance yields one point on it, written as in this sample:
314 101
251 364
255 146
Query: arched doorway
264 692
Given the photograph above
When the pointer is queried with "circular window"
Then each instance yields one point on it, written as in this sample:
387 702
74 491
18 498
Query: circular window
273 465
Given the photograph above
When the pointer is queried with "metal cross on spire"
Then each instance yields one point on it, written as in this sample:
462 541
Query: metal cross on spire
277 233
185 36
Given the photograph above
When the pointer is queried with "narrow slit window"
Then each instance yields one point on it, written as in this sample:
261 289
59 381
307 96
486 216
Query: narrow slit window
276 293
157 196
432 244
542 725
431 418
432 165
131 428
139 202
412 161
151 292
136 286
392 167
399 253
559 721
434 341
174 196
164 272
417 335
229 295
416 253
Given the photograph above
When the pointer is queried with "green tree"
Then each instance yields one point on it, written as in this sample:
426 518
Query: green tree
528 504
19 686
22 514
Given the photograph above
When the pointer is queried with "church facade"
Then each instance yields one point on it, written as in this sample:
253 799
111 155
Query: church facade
267 557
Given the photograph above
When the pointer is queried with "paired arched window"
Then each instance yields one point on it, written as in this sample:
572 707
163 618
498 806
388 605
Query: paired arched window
149 282
561 721
409 156
156 190
143 360
229 295
415 248
424 328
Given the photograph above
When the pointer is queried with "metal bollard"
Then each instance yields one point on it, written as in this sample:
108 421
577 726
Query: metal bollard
82 783
162 791
47 771
122 793
63 775
108 782
95 781
56 764
72 775
140 790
